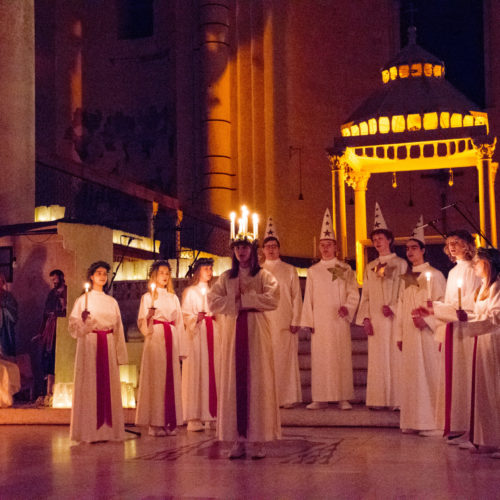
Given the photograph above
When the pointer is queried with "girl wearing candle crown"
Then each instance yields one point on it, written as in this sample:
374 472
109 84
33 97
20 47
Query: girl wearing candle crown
160 320
247 400
97 413
199 387
484 326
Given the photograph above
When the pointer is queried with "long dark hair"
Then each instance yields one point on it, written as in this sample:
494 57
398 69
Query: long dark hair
93 268
254 260
492 257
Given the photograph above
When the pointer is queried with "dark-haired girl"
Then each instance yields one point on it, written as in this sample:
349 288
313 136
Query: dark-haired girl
160 320
95 321
248 404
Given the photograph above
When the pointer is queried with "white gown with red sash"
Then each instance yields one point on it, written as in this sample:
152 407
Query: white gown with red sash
97 412
330 285
257 418
381 286
286 343
201 368
420 356
159 400
484 328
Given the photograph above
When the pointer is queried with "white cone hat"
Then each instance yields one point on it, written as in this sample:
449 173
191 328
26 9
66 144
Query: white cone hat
271 230
379 222
327 232
418 231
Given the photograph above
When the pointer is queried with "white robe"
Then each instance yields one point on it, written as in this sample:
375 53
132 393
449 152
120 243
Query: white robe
195 368
485 324
152 380
331 351
420 356
104 315
10 382
286 343
260 292
384 358
462 347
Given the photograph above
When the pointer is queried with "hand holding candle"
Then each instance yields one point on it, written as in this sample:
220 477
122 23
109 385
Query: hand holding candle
459 285
204 304
428 278
87 288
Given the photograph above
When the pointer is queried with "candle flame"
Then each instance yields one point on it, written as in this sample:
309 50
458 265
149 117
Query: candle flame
153 287
460 283
87 287
428 275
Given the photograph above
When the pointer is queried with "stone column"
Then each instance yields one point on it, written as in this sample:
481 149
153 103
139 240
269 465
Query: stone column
17 111
217 168
493 210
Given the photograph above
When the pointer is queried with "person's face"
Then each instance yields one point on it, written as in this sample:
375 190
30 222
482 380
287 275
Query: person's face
100 277
327 249
271 250
206 273
481 267
414 253
162 276
243 254
457 247
381 243
56 280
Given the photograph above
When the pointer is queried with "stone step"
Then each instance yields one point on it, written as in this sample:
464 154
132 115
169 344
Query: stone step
359 416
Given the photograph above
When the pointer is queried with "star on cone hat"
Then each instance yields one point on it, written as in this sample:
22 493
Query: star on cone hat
379 222
327 232
271 230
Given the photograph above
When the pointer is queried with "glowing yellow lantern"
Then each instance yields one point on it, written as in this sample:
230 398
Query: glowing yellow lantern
444 119
363 127
404 71
416 69
456 120
385 76
394 72
384 125
428 69
414 122
430 121
372 125
398 123
468 121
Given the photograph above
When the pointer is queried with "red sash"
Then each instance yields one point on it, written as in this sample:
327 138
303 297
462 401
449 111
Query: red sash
170 414
241 352
448 371
212 390
103 388
473 391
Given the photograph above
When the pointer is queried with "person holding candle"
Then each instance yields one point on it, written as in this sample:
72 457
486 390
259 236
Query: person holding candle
285 320
483 326
330 302
159 401
377 314
420 352
247 399
200 369
97 413
453 404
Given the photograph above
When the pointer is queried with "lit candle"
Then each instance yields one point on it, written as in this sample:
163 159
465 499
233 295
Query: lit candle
240 225
204 294
255 220
153 288
232 216
428 278
87 288
459 285
244 213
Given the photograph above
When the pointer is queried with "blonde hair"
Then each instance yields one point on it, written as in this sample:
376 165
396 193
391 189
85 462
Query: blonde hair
153 275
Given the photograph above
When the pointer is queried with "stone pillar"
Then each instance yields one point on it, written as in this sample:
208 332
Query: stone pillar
338 167
342 212
17 111
217 168
484 148
493 211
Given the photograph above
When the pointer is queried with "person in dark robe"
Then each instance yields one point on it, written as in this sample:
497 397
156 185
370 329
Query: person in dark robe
8 320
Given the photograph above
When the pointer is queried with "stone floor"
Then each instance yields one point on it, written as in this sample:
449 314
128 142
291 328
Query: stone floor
41 462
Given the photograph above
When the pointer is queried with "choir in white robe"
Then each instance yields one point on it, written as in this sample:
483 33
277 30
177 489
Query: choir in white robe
259 292
330 284
384 358
286 343
152 380
462 346
484 324
195 368
104 315
420 355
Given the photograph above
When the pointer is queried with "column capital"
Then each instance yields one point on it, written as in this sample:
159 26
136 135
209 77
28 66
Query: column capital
357 179
484 146
493 169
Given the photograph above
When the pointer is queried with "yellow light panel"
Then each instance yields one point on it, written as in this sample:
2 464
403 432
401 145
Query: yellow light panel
414 122
444 120
398 123
404 71
416 69
384 125
430 121
372 125
385 76
363 127
456 120
394 72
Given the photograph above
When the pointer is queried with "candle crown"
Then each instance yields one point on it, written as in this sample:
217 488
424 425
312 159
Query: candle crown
244 235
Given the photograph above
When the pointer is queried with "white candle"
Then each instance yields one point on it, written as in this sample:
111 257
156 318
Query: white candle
255 220
244 213
240 225
459 285
428 278
232 216
153 288
87 288
204 294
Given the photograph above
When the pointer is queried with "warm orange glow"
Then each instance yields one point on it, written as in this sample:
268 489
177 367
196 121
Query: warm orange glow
398 123
456 120
346 132
430 121
414 122
468 121
444 120
384 125
385 76
394 72
416 69
404 71
428 69
372 125
438 71
354 130
363 127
